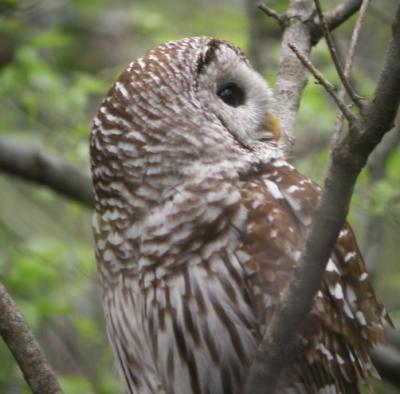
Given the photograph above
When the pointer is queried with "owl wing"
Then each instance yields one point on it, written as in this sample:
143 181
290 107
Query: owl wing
215 258
346 319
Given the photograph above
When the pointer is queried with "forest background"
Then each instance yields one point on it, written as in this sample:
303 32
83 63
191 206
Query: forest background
57 60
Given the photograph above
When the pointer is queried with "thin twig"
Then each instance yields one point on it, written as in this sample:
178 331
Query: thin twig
350 60
354 38
273 14
331 45
326 84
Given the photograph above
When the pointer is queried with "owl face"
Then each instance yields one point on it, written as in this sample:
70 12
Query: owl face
238 96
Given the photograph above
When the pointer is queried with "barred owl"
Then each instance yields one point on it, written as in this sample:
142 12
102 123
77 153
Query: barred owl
199 224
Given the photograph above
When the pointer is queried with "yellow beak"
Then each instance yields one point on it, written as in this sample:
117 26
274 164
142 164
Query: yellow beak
273 125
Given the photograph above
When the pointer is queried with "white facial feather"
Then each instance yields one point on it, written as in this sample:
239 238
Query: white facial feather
245 122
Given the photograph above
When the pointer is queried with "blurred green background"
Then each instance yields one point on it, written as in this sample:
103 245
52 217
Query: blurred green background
57 60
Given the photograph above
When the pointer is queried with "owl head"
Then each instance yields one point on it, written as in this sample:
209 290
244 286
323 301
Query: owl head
239 97
186 102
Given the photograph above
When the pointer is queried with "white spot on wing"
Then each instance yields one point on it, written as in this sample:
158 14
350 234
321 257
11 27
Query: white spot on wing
292 189
363 276
280 163
349 256
273 188
337 291
351 295
361 318
322 348
295 204
347 310
331 267
339 359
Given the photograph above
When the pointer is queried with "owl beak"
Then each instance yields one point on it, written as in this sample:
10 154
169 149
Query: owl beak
272 125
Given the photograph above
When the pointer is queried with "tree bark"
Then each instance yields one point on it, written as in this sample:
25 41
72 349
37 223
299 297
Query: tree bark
25 349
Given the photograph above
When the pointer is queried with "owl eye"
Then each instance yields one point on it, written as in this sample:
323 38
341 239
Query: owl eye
231 94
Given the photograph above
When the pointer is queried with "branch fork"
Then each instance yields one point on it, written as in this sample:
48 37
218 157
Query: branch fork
281 19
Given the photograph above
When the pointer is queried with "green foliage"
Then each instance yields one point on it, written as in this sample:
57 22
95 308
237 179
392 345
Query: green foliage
75 385
159 22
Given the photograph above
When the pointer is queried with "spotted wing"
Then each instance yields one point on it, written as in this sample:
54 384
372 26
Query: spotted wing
346 319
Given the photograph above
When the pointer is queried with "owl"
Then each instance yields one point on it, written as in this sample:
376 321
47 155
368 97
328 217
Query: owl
199 225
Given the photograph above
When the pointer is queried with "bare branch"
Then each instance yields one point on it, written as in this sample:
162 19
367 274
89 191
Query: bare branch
354 38
349 61
273 14
326 84
35 165
348 158
336 17
19 339
332 49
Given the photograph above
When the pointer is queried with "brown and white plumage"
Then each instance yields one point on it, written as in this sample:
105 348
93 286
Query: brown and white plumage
199 223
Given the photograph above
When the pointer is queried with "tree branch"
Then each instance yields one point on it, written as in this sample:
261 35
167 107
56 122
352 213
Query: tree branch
349 62
26 351
348 158
326 84
273 14
301 30
35 165
335 18
332 49
292 79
